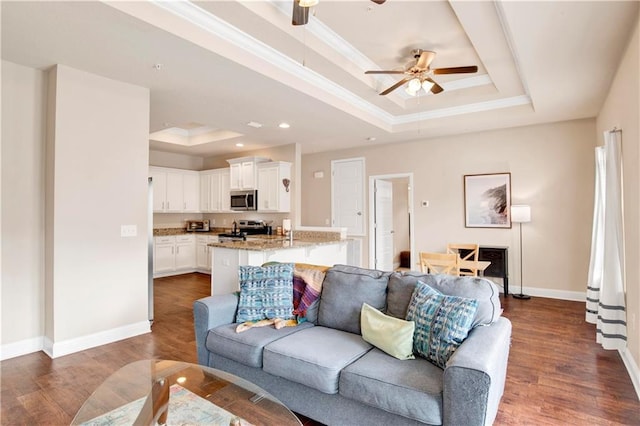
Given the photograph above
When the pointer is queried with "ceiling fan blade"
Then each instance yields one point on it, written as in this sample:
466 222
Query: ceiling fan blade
395 86
436 88
378 1
300 15
426 56
456 70
384 72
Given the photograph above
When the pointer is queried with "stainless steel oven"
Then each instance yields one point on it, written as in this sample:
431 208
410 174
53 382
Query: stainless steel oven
244 200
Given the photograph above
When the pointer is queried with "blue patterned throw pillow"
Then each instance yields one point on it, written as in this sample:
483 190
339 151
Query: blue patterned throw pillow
442 322
265 292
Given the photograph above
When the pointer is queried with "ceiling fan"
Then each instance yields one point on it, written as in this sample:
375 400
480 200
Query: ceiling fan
419 75
300 15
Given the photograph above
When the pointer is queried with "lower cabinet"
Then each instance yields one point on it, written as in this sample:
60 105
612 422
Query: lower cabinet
164 259
185 252
203 252
174 254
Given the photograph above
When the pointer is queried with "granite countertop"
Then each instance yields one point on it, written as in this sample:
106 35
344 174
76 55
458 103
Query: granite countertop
261 242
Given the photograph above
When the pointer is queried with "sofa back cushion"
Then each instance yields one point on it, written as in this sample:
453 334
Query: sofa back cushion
401 286
344 290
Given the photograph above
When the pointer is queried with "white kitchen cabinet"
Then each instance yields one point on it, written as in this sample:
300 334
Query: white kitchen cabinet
203 252
243 172
191 195
214 191
185 252
174 254
159 179
273 194
164 254
175 190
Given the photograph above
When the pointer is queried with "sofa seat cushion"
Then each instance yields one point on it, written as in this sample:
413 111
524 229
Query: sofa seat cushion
314 357
246 347
410 388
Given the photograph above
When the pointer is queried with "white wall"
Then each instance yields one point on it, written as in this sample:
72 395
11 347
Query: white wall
96 280
622 109
551 169
23 94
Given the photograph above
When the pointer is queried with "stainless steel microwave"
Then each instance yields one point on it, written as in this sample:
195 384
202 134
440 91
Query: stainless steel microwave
244 200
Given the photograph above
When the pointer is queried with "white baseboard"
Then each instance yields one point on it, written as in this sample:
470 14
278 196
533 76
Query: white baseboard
23 347
58 349
576 296
632 368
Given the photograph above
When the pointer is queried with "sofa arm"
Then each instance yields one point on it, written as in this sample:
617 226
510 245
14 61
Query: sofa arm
211 312
475 376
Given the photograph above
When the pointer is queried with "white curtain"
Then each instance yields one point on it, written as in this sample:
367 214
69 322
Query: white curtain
605 287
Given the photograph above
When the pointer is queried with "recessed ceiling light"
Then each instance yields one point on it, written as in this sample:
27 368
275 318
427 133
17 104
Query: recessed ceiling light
239 144
284 125
254 124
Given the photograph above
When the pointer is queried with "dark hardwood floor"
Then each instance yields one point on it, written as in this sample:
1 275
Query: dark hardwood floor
557 374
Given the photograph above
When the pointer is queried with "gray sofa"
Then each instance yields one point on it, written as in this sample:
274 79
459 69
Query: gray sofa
325 370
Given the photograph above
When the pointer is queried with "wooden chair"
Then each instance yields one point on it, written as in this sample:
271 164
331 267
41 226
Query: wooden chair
439 263
468 257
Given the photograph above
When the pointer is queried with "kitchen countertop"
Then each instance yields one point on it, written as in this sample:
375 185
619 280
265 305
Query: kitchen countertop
261 242
264 243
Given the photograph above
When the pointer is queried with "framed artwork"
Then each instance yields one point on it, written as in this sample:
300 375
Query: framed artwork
487 200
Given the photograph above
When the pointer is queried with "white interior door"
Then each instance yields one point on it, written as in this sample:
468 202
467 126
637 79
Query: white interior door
383 226
347 207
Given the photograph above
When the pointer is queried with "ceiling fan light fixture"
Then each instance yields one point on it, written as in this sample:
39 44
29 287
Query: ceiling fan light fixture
427 85
307 3
409 91
414 85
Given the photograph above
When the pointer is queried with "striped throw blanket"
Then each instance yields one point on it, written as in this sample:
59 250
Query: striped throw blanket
307 285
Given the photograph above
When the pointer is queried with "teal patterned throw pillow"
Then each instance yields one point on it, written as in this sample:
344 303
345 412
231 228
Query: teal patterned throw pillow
265 292
442 322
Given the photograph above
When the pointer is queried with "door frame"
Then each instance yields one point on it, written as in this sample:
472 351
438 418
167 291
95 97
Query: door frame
372 180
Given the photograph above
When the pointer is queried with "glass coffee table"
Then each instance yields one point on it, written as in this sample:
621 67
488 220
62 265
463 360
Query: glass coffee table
178 393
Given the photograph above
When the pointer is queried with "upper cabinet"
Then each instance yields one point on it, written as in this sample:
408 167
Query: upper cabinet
175 191
274 179
214 191
243 172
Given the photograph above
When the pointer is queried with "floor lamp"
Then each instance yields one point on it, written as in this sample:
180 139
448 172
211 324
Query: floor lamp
521 214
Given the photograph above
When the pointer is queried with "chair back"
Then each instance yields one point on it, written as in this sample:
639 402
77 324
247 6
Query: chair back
468 255
439 263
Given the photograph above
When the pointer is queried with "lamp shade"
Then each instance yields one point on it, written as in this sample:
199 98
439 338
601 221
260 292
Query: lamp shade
520 213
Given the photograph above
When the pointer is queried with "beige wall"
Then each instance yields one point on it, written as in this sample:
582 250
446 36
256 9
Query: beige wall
551 169
23 94
621 109
96 280
177 161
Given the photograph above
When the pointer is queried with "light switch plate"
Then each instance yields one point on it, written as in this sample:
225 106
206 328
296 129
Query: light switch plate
128 230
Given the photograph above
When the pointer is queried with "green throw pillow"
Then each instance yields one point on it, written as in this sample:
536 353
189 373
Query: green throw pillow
265 292
391 335
442 322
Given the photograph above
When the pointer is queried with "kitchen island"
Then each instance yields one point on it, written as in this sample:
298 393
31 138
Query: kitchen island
307 247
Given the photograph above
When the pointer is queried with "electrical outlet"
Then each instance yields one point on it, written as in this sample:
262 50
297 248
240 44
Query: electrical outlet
326 221
212 221
224 221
